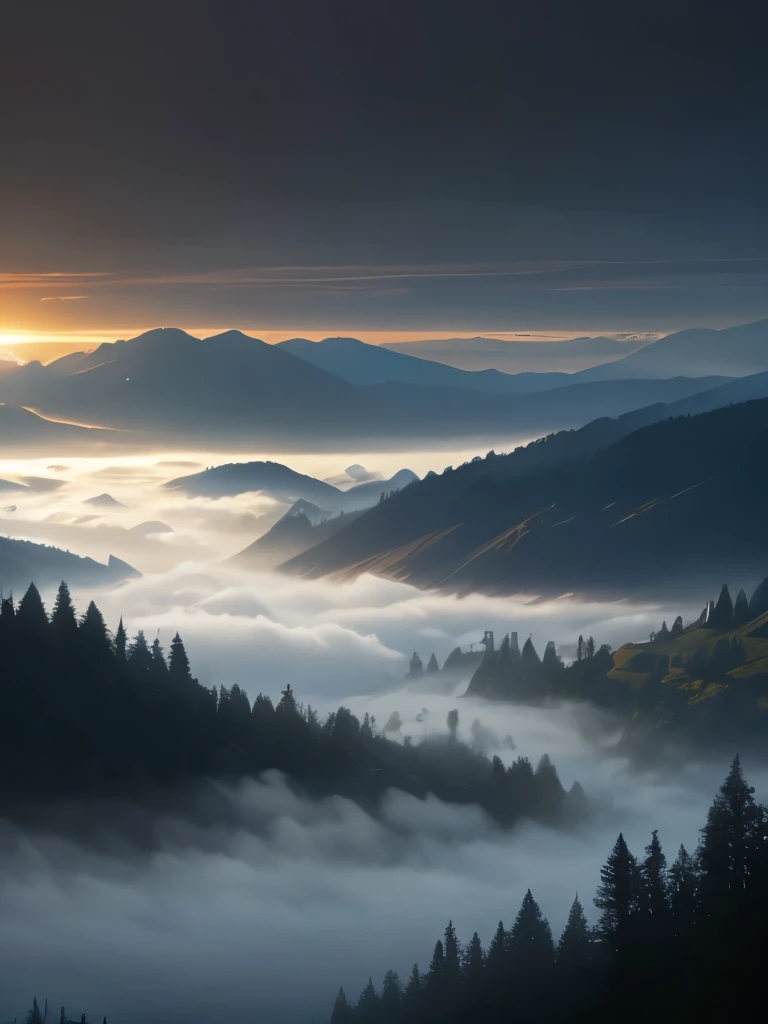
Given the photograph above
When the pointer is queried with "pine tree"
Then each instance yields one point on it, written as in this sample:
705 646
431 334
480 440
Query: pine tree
30 615
412 997
178 665
121 643
391 999
94 636
474 964
159 669
730 842
683 893
497 961
655 883
574 949
617 894
436 972
590 648
368 1003
580 648
63 619
139 655
530 941
451 962
342 1011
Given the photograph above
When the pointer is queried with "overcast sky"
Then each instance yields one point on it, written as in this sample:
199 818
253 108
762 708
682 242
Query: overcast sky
381 168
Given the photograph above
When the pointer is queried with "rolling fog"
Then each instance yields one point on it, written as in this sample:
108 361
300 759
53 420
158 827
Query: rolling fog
268 912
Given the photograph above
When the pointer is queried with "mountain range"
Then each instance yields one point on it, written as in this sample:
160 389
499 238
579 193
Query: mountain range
603 511
286 485
237 391
700 352
516 357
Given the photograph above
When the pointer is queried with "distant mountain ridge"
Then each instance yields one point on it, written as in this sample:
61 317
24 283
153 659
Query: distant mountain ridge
286 485
515 357
22 561
700 352
237 392
361 363
638 513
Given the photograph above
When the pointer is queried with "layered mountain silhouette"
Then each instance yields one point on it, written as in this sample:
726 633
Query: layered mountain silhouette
361 363
22 561
662 506
732 351
515 357
302 527
236 390
286 485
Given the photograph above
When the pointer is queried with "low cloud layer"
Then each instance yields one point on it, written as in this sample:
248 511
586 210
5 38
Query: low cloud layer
266 912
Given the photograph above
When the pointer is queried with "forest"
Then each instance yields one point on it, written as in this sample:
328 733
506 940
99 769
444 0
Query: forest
699 685
86 713
679 941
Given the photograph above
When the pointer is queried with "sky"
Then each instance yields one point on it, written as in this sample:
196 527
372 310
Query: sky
387 170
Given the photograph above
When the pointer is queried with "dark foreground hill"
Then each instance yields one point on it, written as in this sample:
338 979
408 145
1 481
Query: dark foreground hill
647 511
88 714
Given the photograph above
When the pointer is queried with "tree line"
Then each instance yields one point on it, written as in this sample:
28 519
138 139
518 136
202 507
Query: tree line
88 711
684 941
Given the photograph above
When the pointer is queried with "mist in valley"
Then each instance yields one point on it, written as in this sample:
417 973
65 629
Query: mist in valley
267 904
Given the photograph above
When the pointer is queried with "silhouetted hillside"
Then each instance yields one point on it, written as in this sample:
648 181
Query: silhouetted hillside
732 352
236 390
360 363
21 561
89 713
286 485
647 511
291 535
516 357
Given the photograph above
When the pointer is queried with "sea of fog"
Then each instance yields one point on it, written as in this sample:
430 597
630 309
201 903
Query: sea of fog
267 917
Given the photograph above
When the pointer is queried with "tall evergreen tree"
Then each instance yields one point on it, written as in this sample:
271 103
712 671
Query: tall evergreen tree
139 655
436 972
342 1011
474 964
683 893
530 940
96 646
63 619
159 669
574 949
368 1003
655 882
451 960
412 997
617 894
497 961
31 619
178 665
391 1000
580 648
731 842
121 643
